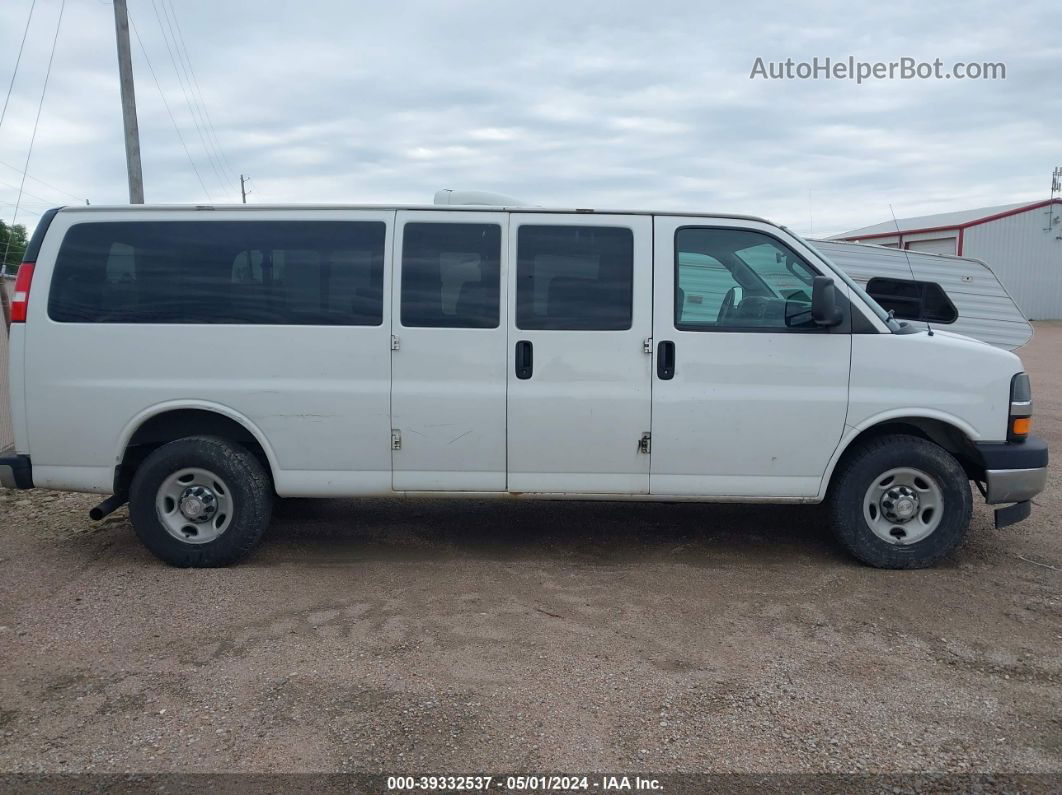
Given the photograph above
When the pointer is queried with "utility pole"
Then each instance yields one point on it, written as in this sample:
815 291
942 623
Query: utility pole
132 132
243 188
1056 188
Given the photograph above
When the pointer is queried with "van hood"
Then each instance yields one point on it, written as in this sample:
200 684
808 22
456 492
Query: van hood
987 355
954 336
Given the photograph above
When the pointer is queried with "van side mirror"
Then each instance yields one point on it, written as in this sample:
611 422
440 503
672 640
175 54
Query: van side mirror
824 309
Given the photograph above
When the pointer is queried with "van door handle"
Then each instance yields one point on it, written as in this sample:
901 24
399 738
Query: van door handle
665 361
525 359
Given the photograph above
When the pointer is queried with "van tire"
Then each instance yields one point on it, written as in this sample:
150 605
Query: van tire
247 487
850 501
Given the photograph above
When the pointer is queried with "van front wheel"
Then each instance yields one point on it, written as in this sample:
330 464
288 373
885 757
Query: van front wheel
900 502
200 502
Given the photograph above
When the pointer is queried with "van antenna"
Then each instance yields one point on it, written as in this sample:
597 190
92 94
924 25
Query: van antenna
910 267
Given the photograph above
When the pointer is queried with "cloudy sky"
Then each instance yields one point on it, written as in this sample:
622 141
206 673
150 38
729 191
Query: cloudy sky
590 104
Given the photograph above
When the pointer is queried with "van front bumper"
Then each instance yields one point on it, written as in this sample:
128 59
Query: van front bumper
1014 485
16 472
1014 472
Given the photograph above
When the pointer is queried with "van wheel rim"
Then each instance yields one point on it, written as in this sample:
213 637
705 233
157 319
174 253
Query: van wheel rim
903 506
194 505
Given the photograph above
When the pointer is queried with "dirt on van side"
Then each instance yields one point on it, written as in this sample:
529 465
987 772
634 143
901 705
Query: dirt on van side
382 635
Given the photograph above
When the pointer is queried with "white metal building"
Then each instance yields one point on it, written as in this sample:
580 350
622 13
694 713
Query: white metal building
1022 243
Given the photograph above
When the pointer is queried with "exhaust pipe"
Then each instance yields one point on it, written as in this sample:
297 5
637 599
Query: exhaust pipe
107 507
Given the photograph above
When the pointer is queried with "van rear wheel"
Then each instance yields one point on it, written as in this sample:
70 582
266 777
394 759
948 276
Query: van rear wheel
900 502
202 501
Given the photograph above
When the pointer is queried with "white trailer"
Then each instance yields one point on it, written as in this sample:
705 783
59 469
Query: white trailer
984 309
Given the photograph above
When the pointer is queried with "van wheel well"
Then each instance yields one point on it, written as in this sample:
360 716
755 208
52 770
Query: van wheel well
179 424
940 433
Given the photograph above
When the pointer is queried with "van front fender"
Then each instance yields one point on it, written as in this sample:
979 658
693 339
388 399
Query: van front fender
917 418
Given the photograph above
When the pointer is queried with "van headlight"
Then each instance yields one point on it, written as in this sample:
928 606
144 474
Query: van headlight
1019 422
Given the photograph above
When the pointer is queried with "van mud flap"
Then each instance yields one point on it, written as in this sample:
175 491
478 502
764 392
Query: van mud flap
1013 514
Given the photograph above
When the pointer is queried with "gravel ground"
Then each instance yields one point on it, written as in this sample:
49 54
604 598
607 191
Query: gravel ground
382 635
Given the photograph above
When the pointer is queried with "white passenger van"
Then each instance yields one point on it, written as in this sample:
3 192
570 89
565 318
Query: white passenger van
198 362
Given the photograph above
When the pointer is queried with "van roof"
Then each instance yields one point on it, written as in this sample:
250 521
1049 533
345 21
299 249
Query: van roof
434 207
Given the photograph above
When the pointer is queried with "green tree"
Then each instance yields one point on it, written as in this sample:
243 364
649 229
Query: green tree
13 241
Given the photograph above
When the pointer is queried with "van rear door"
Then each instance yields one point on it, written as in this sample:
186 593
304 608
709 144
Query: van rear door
580 314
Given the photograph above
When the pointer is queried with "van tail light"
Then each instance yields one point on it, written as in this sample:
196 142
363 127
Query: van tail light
1019 423
20 298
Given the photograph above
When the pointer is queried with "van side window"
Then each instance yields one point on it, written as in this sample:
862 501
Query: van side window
738 279
913 300
574 277
451 275
327 273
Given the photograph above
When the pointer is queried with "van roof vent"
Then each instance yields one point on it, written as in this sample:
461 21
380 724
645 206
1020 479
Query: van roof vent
477 198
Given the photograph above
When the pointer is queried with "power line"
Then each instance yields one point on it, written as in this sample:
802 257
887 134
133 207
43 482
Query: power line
32 195
226 165
187 98
198 103
176 129
18 170
23 209
36 122
18 60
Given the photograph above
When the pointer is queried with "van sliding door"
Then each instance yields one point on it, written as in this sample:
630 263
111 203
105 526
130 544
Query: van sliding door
580 315
448 351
